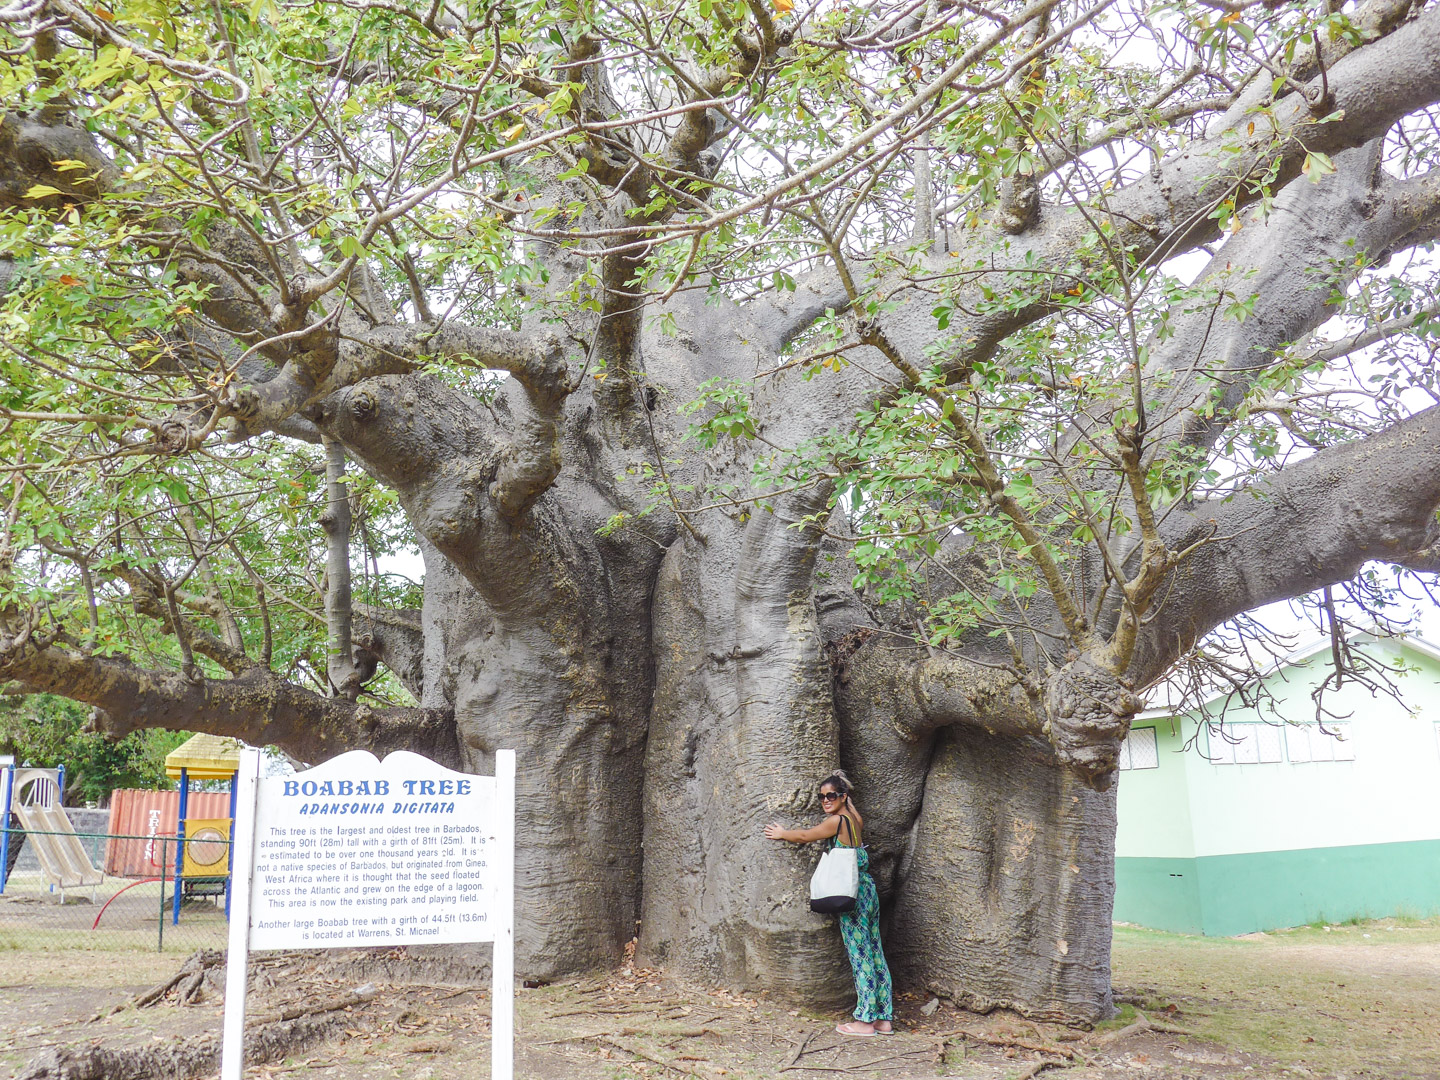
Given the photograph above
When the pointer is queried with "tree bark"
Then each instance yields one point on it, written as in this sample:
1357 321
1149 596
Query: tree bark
345 678
1010 885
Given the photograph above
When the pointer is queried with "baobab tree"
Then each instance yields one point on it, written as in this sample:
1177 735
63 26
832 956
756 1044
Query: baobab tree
905 385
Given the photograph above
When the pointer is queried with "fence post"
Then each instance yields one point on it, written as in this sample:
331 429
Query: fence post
164 862
7 780
180 839
230 862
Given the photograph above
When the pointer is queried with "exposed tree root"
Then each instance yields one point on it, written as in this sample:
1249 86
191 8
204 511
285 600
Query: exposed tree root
1139 996
433 965
192 979
1035 1068
198 976
178 1060
268 1035
1055 1056
1142 1023
358 996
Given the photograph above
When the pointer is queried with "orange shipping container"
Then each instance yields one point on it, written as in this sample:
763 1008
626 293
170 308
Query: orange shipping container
152 817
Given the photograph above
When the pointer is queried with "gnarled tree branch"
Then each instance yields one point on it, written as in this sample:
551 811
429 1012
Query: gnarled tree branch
1314 523
257 706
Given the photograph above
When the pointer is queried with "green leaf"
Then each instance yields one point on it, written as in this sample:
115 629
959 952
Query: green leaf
1317 166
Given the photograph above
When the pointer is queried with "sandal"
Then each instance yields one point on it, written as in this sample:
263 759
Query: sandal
878 1031
855 1028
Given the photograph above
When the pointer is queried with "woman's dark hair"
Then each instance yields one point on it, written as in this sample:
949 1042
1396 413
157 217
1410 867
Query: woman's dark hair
840 781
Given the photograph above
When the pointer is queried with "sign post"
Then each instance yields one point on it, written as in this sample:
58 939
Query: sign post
237 953
359 852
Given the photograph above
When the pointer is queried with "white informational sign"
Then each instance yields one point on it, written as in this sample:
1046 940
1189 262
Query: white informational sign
359 852
362 852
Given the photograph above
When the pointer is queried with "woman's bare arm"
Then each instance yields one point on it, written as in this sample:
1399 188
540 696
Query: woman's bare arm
827 828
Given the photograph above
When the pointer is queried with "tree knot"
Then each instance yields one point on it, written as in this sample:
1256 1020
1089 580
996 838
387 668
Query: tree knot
363 404
867 329
546 372
173 437
1088 713
1019 204
244 403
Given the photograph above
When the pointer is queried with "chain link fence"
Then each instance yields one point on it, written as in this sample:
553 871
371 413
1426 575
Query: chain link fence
112 913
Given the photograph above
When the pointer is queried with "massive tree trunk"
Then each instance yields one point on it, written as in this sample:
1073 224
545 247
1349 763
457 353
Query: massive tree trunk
743 727
1009 886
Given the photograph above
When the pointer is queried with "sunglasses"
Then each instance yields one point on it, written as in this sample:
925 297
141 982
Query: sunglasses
827 796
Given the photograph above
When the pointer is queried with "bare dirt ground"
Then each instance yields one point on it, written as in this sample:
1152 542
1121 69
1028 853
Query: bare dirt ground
1314 1003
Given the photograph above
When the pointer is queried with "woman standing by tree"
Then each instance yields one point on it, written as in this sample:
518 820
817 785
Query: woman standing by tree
860 926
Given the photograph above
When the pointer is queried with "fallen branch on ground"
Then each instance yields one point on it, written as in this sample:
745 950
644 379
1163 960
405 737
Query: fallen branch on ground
358 996
457 993
1012 1041
697 1070
601 1012
800 1049
856 1067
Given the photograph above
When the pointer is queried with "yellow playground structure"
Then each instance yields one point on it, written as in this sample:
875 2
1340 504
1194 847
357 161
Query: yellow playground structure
202 861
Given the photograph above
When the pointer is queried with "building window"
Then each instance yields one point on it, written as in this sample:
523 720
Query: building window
1271 743
1246 744
1139 750
1308 742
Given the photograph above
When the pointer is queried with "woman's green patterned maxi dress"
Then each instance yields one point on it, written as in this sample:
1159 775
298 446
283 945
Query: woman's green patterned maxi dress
860 929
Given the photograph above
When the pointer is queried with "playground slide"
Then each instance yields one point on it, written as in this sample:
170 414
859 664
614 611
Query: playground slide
62 857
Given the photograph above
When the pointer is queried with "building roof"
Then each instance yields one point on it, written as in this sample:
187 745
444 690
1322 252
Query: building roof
204 757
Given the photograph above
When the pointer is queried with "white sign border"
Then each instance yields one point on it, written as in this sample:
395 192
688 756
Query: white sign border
502 965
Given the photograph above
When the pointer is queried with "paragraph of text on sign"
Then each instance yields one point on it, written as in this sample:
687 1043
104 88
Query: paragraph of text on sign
367 858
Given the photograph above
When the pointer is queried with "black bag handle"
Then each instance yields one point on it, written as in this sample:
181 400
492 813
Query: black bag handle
845 820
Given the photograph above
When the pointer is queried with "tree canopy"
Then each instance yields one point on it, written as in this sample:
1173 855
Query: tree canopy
910 384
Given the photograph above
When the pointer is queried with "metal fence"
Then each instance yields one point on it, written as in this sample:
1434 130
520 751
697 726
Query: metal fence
114 914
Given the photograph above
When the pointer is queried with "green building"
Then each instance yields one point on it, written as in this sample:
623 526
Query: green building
1269 820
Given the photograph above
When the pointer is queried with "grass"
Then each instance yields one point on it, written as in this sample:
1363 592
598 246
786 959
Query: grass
47 944
129 914
93 971
1347 998
183 940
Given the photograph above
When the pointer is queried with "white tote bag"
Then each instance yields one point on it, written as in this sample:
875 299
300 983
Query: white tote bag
836 881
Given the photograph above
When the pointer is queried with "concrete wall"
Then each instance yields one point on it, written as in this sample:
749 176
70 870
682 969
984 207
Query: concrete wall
1216 848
